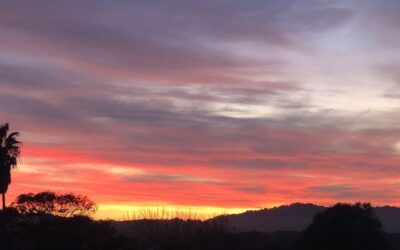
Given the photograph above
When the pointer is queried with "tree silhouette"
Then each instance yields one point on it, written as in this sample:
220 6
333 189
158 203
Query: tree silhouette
344 227
63 205
9 154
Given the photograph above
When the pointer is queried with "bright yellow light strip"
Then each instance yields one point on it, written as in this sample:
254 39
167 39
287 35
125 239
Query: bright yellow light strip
130 212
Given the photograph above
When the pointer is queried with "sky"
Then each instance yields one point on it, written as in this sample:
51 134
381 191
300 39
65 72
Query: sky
206 105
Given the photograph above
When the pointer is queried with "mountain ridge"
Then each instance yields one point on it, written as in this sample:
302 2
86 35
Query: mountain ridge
297 216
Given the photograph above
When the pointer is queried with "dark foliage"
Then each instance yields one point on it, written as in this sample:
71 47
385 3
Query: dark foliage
48 232
175 234
63 205
394 241
344 227
45 232
196 235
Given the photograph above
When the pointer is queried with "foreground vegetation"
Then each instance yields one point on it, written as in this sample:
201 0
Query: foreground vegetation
344 227
42 231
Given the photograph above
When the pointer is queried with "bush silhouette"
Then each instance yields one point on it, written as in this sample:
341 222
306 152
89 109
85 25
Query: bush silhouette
344 227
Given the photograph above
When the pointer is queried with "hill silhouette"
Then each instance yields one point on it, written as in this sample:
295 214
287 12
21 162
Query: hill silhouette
296 217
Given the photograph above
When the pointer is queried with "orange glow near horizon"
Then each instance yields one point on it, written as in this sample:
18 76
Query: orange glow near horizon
177 191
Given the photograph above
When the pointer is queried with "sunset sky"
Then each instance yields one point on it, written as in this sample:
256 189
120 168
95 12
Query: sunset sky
208 105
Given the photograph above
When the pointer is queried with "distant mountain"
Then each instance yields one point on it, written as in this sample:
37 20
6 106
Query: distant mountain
297 216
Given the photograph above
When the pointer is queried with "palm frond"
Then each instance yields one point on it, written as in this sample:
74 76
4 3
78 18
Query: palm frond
11 142
9 147
11 162
13 135
3 132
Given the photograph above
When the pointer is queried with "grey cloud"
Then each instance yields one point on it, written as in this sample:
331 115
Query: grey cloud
253 163
165 178
33 108
110 48
257 190
338 188
161 38
345 191
167 130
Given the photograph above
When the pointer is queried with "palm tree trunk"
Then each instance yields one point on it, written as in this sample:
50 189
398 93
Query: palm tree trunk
4 200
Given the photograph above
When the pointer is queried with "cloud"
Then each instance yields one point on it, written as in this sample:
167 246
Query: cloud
268 98
346 192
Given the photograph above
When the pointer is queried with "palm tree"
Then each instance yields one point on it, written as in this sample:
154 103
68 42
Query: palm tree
9 154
